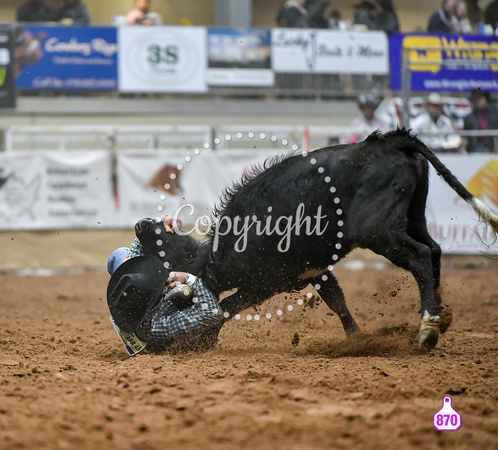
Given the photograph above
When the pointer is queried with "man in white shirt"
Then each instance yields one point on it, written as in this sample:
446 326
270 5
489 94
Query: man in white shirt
436 130
368 121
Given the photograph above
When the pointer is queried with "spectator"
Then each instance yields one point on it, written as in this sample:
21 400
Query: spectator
141 15
491 15
316 13
432 123
36 11
442 20
461 23
475 14
384 17
335 20
74 12
293 14
362 14
379 15
484 116
368 121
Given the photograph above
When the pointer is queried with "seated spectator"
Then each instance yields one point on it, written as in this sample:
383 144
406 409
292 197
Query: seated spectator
293 14
368 121
475 14
432 123
36 11
74 12
484 116
461 23
316 13
141 15
378 15
384 17
362 14
335 20
491 15
442 20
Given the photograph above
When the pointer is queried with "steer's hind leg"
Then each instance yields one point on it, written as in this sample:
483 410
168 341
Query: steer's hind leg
416 257
417 229
333 296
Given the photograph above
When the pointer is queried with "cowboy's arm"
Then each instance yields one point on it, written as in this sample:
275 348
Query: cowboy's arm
205 313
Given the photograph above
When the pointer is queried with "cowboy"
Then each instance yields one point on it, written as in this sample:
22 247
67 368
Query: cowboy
155 308
436 129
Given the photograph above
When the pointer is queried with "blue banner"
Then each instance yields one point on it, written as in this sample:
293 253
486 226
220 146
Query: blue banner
67 58
446 62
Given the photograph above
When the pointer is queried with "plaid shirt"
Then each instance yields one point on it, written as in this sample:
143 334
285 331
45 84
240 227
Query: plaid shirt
167 325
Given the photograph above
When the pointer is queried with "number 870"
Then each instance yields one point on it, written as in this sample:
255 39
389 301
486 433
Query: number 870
445 419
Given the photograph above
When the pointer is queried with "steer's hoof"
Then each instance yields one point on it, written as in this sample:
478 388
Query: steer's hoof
429 332
428 339
446 315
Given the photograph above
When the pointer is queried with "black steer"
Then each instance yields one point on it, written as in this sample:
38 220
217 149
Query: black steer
287 225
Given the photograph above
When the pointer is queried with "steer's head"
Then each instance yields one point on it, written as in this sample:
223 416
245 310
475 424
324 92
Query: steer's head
177 250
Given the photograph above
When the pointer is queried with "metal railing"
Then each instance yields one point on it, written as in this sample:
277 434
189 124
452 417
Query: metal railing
105 137
279 137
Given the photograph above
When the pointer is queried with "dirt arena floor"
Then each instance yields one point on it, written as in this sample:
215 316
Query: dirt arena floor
293 381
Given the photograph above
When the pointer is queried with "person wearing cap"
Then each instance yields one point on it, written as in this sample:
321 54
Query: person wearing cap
369 120
484 116
139 296
436 129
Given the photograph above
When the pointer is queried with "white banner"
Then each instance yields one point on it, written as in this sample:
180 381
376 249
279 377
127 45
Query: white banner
162 59
326 51
241 77
51 190
151 184
452 223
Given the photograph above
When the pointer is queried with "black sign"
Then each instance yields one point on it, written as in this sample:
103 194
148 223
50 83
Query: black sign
7 84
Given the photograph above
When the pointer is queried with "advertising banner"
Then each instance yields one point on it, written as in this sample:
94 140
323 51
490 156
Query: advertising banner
324 51
66 58
151 184
52 190
446 62
162 59
7 87
239 57
452 223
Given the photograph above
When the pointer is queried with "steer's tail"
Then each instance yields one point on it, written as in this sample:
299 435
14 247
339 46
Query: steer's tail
479 206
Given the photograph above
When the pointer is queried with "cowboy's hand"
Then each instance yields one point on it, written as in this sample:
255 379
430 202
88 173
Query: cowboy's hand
176 278
171 224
